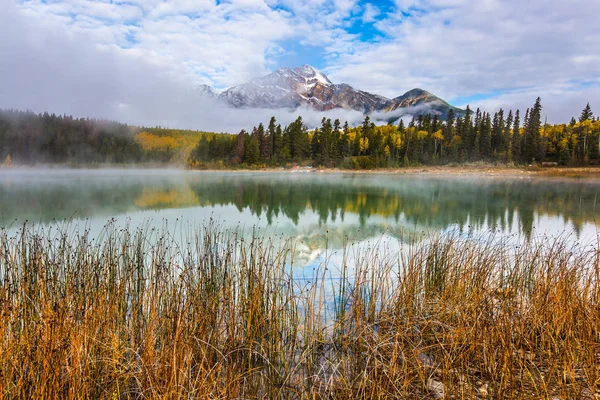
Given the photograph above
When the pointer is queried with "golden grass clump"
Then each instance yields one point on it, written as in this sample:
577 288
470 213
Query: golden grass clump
134 314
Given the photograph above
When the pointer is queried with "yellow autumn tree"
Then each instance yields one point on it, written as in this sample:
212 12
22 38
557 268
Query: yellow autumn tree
364 144
397 140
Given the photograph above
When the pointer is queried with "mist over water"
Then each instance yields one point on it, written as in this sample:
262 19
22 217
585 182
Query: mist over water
308 205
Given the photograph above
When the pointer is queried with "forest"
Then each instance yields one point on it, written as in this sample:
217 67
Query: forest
478 136
28 138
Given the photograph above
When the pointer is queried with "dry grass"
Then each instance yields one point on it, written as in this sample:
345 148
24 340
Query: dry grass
132 315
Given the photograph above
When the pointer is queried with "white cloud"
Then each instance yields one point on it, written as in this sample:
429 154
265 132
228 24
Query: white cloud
195 39
46 69
87 57
457 48
370 13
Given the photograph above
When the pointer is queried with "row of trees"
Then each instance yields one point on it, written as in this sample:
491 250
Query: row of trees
474 136
27 138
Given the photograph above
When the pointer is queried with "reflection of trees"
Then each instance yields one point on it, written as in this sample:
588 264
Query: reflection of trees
417 202
437 203
174 197
43 201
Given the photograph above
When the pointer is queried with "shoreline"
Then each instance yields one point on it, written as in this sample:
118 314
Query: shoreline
459 169
588 173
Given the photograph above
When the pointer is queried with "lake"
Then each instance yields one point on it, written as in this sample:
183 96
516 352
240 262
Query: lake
317 210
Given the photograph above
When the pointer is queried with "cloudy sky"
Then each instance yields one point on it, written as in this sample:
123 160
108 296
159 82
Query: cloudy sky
139 61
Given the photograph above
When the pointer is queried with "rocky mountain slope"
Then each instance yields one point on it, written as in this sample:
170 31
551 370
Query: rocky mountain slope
309 87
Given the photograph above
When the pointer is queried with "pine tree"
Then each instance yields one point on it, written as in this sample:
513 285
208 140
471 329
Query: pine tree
435 124
285 154
475 133
299 143
587 114
516 137
326 133
401 126
465 133
485 137
367 133
498 144
316 146
506 136
264 143
334 150
252 154
449 127
240 147
531 144
272 134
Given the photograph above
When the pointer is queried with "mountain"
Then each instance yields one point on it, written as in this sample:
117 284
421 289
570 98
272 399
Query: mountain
309 87
422 99
205 90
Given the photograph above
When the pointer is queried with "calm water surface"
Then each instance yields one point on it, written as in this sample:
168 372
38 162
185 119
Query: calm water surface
317 209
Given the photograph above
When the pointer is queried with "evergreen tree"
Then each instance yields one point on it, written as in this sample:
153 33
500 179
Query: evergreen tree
366 136
474 136
435 124
275 140
465 134
334 150
449 126
507 137
252 154
498 144
299 144
485 139
326 135
264 143
316 146
516 137
285 154
240 147
344 147
531 145
586 114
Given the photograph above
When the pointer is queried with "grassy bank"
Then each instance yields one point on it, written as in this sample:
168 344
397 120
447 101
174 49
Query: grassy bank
132 315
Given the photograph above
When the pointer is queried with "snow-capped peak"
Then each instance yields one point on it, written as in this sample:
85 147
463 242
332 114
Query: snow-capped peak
311 74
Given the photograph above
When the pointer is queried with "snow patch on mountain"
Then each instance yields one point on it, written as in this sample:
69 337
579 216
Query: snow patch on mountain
312 76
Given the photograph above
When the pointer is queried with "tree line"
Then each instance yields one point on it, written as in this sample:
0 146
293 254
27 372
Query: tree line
29 138
476 136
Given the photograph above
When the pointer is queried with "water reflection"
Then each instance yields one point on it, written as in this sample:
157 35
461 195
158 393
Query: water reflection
341 203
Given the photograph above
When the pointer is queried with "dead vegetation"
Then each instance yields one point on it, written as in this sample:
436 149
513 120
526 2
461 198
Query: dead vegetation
131 314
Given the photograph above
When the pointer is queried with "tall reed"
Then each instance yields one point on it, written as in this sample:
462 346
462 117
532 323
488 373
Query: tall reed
138 314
